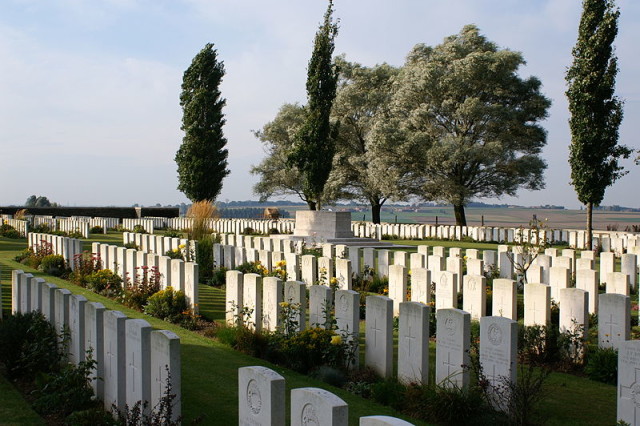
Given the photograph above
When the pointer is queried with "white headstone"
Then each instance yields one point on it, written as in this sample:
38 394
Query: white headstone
165 367
413 343
138 361
421 285
537 304
574 311
309 269
114 360
505 299
618 283
587 280
446 295
295 292
94 342
629 382
76 328
319 305
397 286
271 299
474 296
314 406
379 335
383 421
252 301
614 320
453 334
498 350
261 397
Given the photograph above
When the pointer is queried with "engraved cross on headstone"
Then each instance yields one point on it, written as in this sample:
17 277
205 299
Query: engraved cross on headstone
134 369
449 365
631 393
410 338
376 330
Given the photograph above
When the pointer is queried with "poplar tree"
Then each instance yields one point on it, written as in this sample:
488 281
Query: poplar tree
596 113
314 147
202 157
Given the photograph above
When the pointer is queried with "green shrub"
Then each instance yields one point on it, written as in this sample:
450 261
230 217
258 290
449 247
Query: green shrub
91 417
389 392
204 256
65 391
218 277
136 293
173 233
602 365
9 231
104 282
139 229
85 264
96 230
29 345
447 405
53 264
131 245
174 254
168 305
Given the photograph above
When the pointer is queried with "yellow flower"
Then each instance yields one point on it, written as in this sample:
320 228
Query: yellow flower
284 304
333 280
182 246
175 250
336 340
281 263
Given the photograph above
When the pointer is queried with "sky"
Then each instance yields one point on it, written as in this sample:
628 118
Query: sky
89 89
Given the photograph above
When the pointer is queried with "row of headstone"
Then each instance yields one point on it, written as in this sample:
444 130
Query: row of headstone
257 302
236 226
22 226
129 263
73 226
609 241
66 247
147 224
133 362
262 401
159 244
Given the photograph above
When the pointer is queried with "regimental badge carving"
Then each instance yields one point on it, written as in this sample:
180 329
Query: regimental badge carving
443 279
309 416
343 303
495 334
450 325
254 399
292 294
472 284
635 394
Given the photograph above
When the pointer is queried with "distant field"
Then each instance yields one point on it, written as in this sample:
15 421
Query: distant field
501 217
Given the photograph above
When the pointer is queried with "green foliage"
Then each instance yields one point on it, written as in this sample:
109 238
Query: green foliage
96 230
39 201
66 390
446 405
104 282
85 265
160 414
137 292
218 277
173 233
202 157
314 144
29 345
139 229
53 264
168 305
602 365
131 245
9 231
204 257
362 104
596 113
469 120
388 392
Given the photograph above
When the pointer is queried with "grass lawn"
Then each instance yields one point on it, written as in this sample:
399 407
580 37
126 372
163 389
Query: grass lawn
14 410
209 369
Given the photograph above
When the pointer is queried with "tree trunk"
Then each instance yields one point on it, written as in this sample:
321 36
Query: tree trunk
461 219
376 206
589 239
311 204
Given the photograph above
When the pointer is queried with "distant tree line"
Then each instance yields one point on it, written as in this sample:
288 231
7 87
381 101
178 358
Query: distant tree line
247 213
